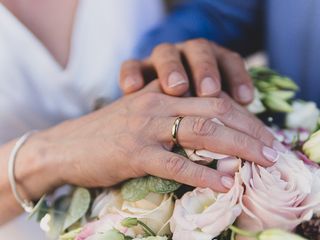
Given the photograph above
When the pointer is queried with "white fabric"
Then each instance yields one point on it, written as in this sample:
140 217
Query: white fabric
36 93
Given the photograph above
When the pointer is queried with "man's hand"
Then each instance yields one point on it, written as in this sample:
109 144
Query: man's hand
199 63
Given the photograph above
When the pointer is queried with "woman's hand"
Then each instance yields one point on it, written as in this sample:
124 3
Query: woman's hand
200 60
132 137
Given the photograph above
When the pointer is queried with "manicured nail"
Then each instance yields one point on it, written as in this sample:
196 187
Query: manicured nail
227 182
270 154
176 79
244 93
208 86
279 146
129 82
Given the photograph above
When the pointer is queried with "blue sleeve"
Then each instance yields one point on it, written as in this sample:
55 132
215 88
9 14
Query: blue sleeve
232 23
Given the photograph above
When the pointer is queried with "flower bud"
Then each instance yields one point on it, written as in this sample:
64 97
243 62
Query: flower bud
129 222
284 83
312 147
277 104
278 234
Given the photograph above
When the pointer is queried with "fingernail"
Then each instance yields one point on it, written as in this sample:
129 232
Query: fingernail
270 154
208 86
129 82
244 93
227 182
176 79
279 146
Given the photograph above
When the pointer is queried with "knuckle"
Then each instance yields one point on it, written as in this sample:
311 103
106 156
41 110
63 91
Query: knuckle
201 176
129 63
170 65
231 57
203 127
149 99
235 56
199 42
258 130
163 48
176 165
241 141
222 106
205 65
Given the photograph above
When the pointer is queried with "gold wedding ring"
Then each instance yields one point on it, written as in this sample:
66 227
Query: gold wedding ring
174 131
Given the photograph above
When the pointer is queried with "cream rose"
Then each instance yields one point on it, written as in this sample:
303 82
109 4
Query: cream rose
155 210
203 214
281 196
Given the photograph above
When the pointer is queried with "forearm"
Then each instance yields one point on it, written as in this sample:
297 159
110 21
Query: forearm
35 174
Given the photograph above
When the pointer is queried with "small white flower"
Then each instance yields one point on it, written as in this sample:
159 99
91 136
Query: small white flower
256 106
304 115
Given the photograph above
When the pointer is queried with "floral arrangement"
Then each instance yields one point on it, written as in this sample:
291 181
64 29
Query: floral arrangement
278 202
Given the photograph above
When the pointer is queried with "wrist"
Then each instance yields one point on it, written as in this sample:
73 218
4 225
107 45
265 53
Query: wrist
36 172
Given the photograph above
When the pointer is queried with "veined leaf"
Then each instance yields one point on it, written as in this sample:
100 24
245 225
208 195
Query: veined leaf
79 205
135 189
57 216
160 185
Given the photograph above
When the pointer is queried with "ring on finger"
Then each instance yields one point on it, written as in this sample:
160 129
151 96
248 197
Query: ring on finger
175 128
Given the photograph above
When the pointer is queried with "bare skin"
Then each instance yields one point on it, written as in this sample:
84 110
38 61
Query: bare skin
130 137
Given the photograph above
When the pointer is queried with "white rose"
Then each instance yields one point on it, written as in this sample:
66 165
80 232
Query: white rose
281 196
155 210
203 214
304 115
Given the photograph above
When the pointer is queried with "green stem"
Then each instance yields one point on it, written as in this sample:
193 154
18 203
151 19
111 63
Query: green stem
147 229
243 232
233 235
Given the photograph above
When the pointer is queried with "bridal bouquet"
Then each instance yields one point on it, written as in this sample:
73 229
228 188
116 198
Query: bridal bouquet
275 203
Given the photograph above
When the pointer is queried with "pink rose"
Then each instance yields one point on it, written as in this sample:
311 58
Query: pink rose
203 214
281 196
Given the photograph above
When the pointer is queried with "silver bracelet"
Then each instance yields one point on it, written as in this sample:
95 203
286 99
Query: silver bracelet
25 204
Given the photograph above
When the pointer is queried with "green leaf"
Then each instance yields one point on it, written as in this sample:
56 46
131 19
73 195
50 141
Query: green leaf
40 209
58 214
160 185
79 205
179 150
277 104
135 189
